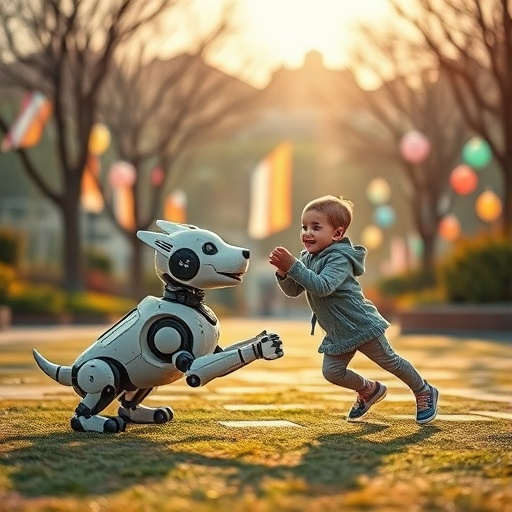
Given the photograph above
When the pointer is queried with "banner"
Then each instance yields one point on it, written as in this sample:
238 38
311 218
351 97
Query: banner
123 207
271 193
175 207
90 195
27 128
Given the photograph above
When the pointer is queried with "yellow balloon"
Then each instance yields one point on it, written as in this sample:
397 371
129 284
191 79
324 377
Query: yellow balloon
488 206
372 237
99 139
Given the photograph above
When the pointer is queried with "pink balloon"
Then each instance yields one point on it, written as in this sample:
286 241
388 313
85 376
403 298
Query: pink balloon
121 174
414 147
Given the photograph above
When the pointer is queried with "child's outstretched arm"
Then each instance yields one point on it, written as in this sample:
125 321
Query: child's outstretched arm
283 260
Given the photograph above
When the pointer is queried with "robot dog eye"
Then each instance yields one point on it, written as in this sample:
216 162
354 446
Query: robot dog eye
210 249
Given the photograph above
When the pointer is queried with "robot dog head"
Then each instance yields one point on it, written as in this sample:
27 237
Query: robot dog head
195 257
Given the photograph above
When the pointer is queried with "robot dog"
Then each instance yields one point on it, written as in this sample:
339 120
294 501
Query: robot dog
163 339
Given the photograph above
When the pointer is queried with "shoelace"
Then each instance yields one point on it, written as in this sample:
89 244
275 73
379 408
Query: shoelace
423 401
360 402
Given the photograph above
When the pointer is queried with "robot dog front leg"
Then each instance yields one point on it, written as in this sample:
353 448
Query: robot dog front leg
206 368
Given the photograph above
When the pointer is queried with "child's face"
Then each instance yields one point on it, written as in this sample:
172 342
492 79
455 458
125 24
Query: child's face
317 233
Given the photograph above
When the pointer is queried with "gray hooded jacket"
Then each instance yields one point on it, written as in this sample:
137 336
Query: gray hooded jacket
335 296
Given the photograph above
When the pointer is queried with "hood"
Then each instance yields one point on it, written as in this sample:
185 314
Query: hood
356 254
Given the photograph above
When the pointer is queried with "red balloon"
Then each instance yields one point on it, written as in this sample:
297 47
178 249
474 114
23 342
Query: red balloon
463 179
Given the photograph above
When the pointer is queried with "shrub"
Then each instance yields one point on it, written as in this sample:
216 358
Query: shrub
7 275
97 260
10 247
98 303
36 299
406 283
478 271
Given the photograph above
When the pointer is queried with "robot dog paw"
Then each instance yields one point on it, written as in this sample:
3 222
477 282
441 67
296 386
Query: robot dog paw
271 346
102 424
142 414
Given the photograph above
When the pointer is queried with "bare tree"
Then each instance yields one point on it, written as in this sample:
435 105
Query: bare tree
472 40
412 96
65 49
157 110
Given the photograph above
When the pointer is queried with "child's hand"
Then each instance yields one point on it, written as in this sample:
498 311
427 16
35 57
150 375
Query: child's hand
282 259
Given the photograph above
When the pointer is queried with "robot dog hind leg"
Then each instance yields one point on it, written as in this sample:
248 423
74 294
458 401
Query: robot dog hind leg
99 383
131 410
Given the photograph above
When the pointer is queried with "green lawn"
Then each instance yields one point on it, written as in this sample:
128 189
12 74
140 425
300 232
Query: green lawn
323 463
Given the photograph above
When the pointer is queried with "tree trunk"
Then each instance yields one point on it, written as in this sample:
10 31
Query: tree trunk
429 253
507 201
136 285
73 278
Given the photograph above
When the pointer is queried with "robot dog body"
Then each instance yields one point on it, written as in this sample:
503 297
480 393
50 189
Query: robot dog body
163 339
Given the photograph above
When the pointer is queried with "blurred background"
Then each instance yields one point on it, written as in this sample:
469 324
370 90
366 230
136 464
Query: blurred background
232 115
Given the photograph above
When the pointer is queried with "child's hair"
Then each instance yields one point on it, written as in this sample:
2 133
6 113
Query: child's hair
337 209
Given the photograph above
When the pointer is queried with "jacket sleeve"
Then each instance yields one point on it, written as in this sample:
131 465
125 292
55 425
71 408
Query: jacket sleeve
289 287
336 269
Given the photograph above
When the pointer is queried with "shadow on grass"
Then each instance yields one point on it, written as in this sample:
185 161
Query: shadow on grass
70 464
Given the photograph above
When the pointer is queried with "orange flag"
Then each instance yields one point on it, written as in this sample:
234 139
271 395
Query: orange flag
123 207
175 208
90 197
271 193
27 128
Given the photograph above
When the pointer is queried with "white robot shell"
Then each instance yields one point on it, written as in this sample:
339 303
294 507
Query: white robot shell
191 256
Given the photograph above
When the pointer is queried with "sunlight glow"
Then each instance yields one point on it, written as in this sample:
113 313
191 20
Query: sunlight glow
277 33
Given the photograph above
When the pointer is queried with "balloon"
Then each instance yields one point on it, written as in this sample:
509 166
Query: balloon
476 153
414 147
157 176
378 191
372 237
463 179
121 174
488 206
384 216
99 139
449 228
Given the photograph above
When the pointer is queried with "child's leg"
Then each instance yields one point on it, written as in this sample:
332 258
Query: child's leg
335 370
368 392
380 352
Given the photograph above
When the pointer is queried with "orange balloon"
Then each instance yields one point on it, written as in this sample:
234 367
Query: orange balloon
488 206
449 228
463 179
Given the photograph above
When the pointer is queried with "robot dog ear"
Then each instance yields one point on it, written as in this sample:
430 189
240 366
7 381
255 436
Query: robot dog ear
173 227
184 264
157 241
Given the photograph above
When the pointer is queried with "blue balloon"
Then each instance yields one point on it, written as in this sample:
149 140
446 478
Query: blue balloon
384 216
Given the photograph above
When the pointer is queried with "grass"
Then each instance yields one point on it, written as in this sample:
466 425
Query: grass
325 464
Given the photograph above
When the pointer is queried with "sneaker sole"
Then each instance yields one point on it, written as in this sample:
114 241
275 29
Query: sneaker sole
376 399
424 421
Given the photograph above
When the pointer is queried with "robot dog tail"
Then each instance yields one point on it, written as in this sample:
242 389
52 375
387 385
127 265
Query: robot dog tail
61 374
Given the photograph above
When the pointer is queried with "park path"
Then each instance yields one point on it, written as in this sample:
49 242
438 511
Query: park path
476 367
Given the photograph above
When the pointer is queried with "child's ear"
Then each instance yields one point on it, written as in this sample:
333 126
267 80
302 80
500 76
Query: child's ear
338 234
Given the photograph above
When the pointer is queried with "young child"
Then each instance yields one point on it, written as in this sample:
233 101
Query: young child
326 270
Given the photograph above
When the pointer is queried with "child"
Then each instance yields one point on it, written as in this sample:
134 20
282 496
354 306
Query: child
326 270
